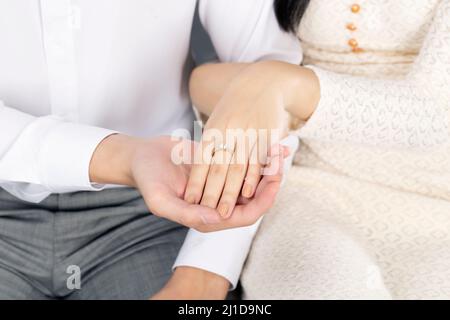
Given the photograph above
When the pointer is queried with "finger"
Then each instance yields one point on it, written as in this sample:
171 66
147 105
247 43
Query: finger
286 152
217 176
249 213
246 215
265 196
242 200
167 205
273 166
199 172
233 185
253 175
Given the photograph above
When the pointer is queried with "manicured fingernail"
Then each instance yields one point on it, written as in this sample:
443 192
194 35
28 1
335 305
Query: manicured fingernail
247 191
190 199
210 219
223 209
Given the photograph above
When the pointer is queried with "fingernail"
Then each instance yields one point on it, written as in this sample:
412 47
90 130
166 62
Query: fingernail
190 199
247 192
223 209
210 219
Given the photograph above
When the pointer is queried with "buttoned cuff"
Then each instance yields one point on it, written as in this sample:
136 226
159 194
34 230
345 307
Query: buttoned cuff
65 155
223 252
316 125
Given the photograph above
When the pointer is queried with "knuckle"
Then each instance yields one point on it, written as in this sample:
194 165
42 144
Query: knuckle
238 170
254 170
251 178
197 171
228 194
209 200
193 186
217 170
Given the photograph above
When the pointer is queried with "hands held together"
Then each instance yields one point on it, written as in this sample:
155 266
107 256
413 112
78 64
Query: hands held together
235 172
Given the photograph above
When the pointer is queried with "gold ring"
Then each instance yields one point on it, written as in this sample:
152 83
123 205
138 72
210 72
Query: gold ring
221 147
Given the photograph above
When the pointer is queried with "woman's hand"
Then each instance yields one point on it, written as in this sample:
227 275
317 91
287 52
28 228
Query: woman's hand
150 166
237 142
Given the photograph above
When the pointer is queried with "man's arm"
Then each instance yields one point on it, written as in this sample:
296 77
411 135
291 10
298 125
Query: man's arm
189 283
37 154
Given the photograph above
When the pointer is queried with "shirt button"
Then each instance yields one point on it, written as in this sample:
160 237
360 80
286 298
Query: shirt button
356 8
353 43
74 19
351 26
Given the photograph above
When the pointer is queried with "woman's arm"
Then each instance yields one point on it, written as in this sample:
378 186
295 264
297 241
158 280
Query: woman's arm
299 86
209 82
412 112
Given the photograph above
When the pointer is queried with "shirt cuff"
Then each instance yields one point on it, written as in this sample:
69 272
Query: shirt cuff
222 252
328 107
65 155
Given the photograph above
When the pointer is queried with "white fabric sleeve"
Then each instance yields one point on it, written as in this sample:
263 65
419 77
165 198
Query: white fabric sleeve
224 252
44 155
247 31
409 113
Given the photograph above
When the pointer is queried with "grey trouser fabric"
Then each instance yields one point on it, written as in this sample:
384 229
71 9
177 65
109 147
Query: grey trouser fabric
122 250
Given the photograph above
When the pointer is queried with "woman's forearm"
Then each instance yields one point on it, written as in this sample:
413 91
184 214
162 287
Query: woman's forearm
209 82
302 91
298 85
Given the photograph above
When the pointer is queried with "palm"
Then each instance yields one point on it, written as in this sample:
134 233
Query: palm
157 173
162 183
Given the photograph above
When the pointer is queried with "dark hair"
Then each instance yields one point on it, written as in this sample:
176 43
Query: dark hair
289 13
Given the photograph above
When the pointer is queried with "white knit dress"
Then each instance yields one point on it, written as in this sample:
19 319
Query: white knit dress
365 213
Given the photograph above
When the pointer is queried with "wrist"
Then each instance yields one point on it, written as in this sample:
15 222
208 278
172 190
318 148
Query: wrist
304 95
112 160
298 86
197 284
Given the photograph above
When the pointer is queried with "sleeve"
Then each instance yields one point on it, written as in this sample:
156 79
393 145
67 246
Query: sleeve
225 252
222 252
44 155
247 31
409 113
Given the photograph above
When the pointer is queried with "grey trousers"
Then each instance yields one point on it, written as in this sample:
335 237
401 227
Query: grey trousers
85 245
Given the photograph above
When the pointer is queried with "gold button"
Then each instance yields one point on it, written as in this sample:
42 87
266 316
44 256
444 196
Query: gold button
355 8
351 26
353 43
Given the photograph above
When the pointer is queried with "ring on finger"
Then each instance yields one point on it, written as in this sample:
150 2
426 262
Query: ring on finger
223 147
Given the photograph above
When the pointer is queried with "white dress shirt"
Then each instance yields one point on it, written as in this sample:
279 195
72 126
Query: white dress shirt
75 71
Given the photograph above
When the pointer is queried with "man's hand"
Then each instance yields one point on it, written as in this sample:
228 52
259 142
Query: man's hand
147 165
189 283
